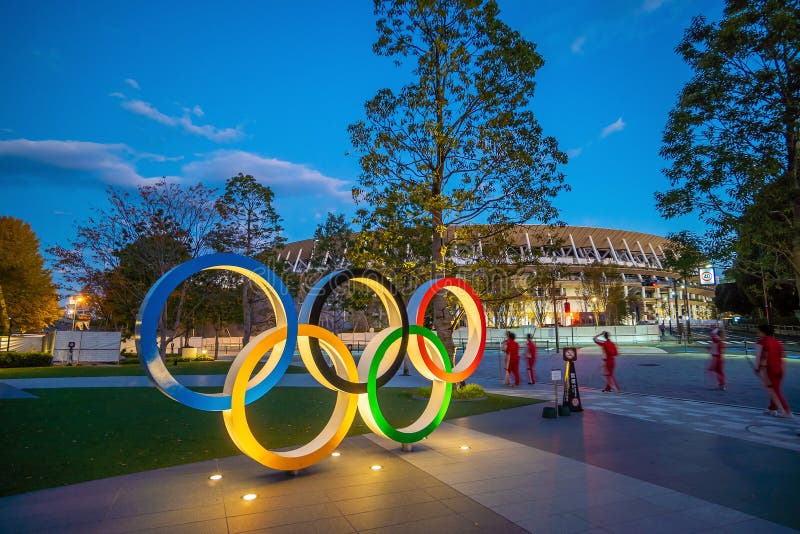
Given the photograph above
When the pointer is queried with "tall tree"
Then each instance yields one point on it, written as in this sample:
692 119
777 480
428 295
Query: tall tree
684 255
124 247
333 240
27 293
249 225
457 145
734 135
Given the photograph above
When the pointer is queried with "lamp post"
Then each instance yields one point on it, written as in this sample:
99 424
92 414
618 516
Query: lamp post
675 295
75 310
594 309
8 341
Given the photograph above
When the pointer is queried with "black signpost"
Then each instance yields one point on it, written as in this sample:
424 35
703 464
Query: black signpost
572 397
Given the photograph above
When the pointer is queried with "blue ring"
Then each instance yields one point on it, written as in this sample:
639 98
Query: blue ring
146 331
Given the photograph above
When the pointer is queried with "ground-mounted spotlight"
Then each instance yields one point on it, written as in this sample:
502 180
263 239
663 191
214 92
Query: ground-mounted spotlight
336 454
249 497
376 467
465 447
215 476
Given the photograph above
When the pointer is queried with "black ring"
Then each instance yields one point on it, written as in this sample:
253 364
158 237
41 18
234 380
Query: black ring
336 280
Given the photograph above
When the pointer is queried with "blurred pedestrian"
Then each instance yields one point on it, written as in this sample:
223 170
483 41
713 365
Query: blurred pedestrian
531 360
610 352
661 331
769 367
717 348
512 360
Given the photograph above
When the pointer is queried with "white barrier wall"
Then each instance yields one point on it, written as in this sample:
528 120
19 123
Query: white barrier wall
572 335
90 347
33 343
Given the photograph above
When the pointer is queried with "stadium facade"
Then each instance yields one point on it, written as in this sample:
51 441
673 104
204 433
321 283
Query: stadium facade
634 262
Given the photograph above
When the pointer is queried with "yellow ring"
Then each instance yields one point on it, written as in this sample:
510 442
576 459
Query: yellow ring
327 440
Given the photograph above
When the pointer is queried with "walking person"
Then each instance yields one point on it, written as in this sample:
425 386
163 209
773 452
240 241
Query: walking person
610 352
512 353
769 367
717 348
531 360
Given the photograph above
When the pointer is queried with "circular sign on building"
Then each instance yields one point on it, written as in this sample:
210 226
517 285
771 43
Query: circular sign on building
707 276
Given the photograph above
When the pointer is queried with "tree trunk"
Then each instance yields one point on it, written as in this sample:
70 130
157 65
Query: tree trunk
793 146
442 319
247 320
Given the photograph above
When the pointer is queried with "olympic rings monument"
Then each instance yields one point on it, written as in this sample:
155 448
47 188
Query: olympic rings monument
356 386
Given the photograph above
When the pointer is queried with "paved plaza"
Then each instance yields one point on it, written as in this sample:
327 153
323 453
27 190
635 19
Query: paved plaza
631 462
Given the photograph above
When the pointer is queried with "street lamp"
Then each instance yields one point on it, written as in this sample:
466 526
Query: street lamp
594 309
75 301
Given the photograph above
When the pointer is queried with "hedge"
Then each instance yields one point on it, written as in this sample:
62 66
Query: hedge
25 359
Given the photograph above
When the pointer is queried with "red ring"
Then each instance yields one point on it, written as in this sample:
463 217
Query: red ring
460 376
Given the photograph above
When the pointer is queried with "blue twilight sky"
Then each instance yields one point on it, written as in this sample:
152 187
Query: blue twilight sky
111 93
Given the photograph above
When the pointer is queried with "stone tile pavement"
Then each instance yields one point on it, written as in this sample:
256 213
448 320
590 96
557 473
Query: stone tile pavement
739 422
545 492
339 495
629 463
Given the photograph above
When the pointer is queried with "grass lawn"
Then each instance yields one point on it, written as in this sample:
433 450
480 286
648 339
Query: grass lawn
183 368
73 435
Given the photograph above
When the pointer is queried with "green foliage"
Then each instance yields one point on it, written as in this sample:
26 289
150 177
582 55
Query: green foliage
333 239
684 254
27 292
248 225
127 245
733 137
248 222
455 146
458 144
25 359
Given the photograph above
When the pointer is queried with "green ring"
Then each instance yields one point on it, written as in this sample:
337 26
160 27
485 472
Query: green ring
372 390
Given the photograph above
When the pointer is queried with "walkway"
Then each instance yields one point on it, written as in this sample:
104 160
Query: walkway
525 474
629 463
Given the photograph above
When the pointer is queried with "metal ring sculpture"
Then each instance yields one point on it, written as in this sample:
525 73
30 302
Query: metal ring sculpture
356 385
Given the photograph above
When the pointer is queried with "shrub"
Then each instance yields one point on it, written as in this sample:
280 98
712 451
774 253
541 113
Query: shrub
25 359
469 391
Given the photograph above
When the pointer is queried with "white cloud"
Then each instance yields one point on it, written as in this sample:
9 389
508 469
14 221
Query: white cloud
284 177
133 83
117 94
219 135
198 111
574 152
143 108
577 45
652 5
157 157
109 162
616 126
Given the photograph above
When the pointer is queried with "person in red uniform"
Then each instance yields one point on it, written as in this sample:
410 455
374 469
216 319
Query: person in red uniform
512 351
769 366
610 352
531 360
717 348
